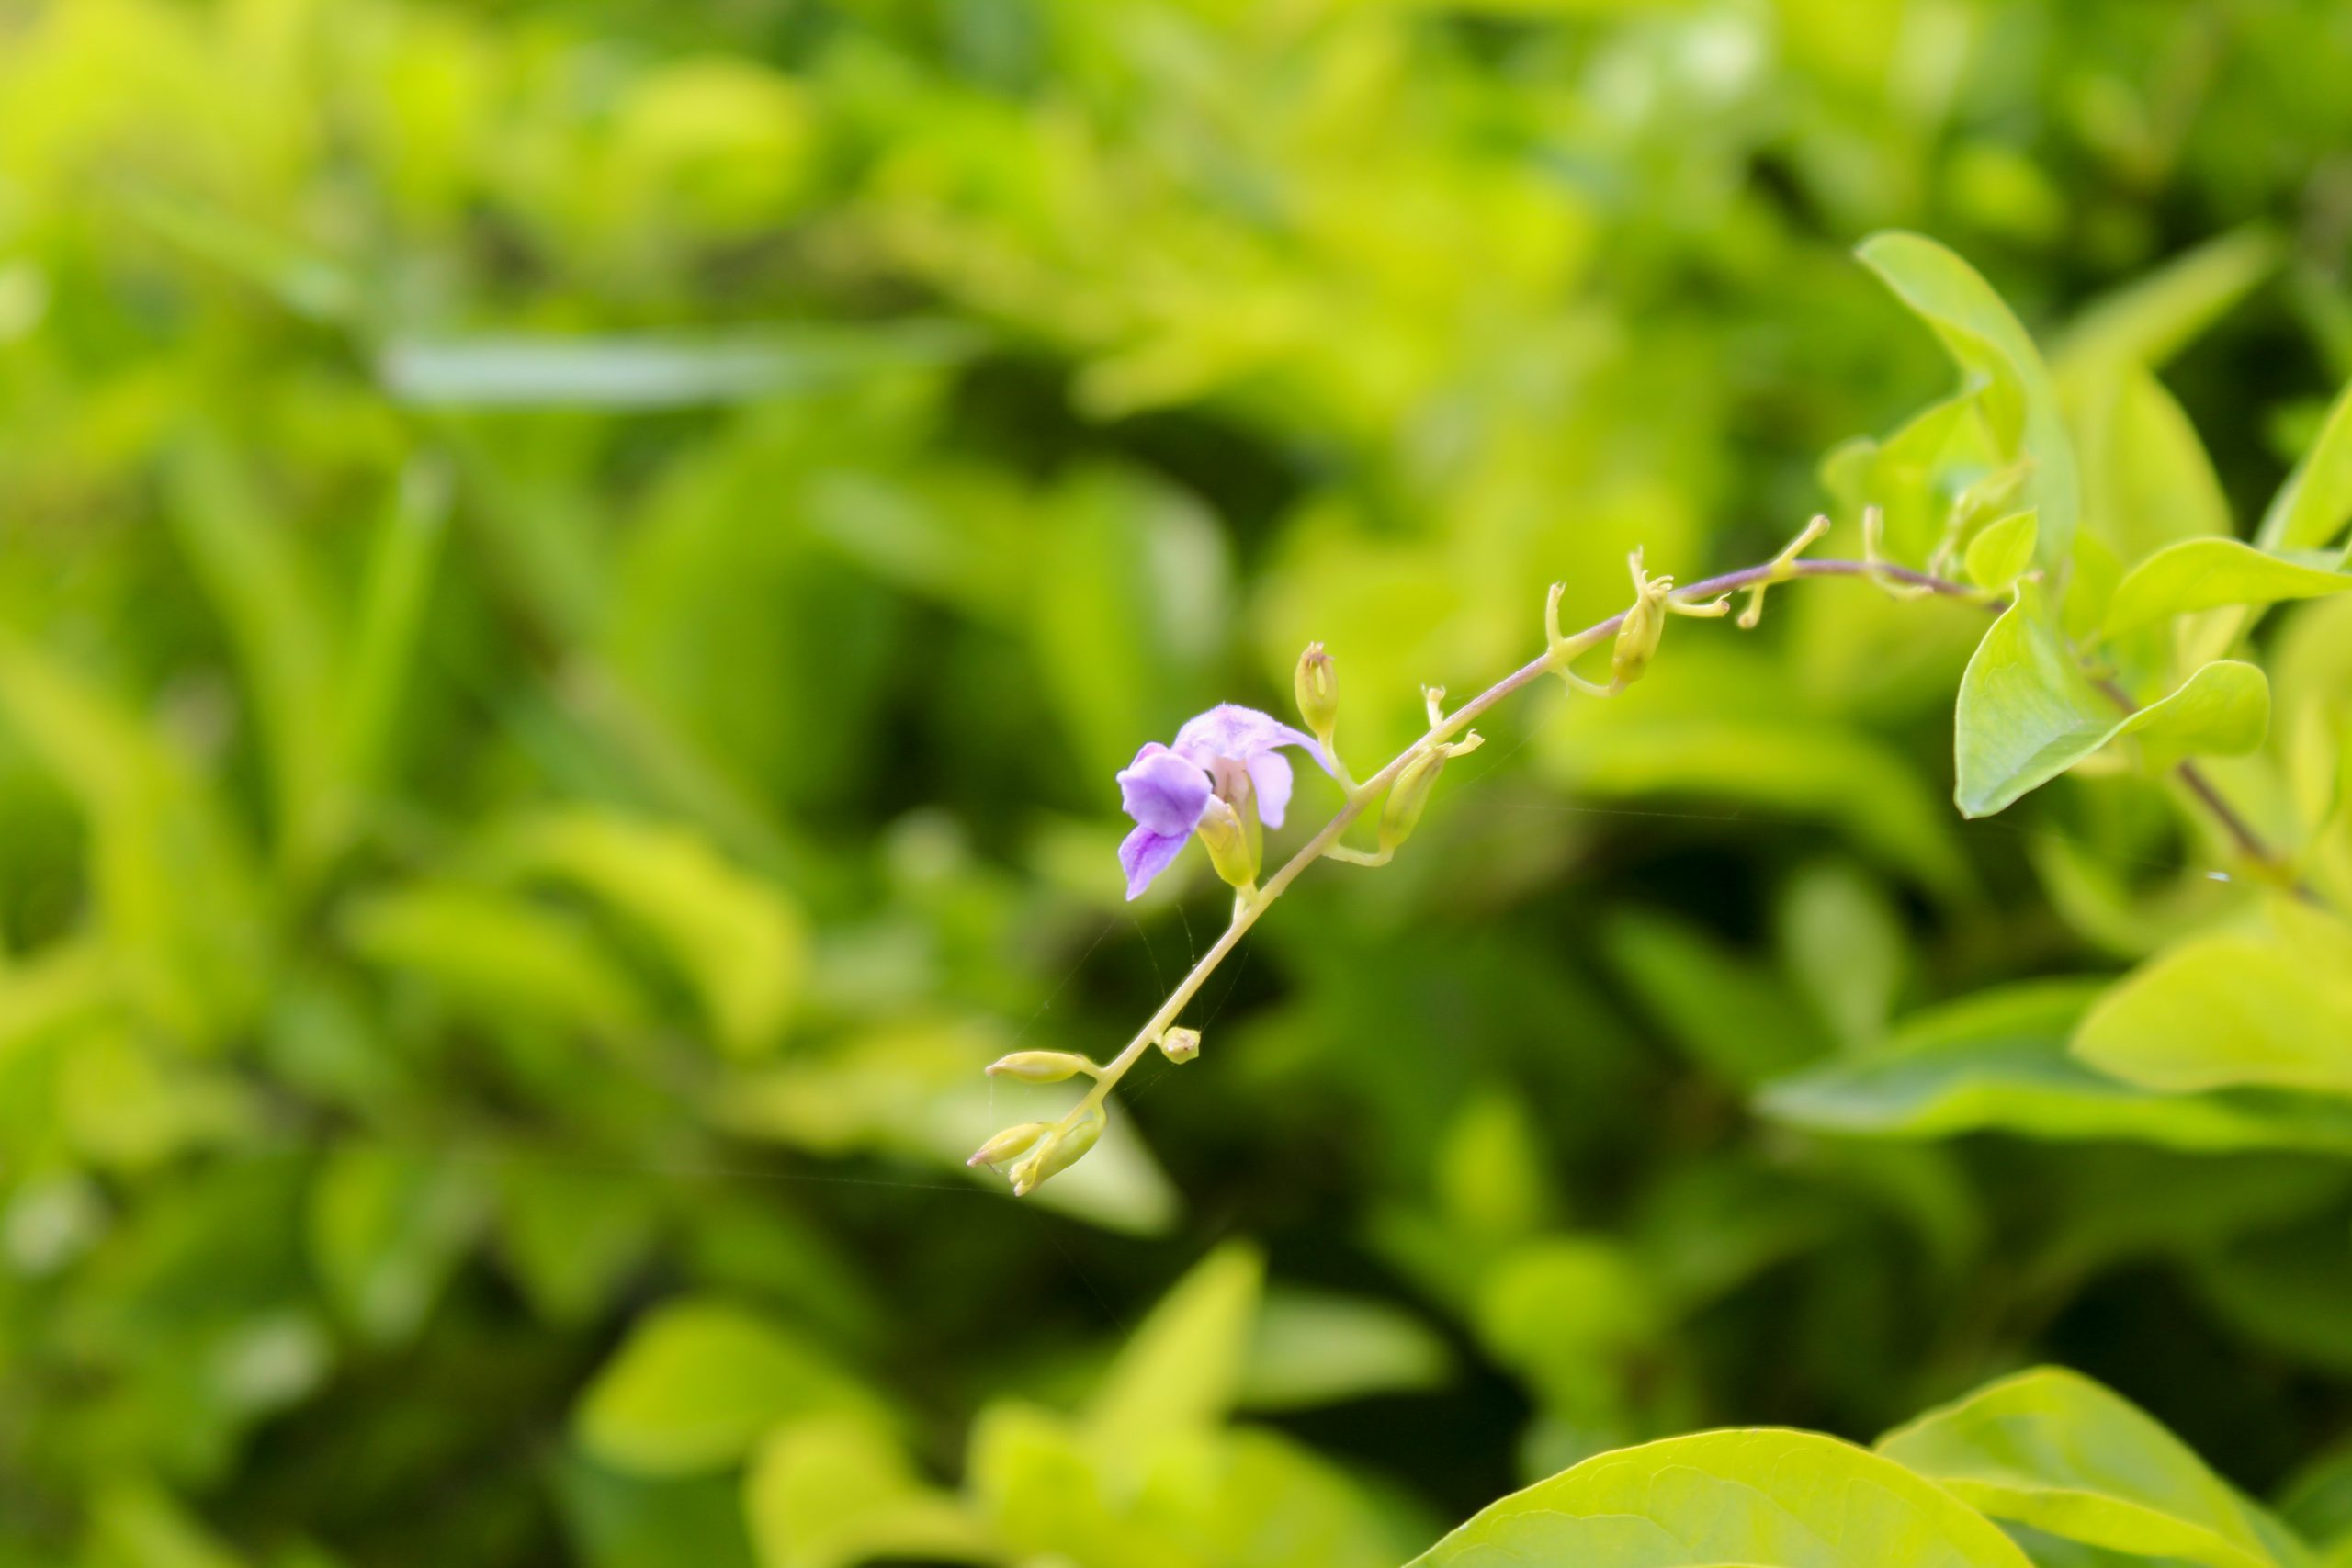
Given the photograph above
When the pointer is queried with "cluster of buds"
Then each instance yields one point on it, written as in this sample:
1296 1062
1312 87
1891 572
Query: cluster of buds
1037 1150
1040 1149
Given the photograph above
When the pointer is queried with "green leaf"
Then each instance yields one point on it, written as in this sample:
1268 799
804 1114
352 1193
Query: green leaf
1184 1364
832 1492
698 1383
571 1235
385 1230
135 1525
499 955
2026 712
398 581
177 902
1988 343
1314 1347
1758 1499
738 940
2204 574
918 1092
1182 1497
1998 1062
2002 550
2052 1450
1729 1014
2313 504
259 582
614 1520
2221 710
1574 1316
2267 1007
2148 320
657 372
2147 478
2317 1501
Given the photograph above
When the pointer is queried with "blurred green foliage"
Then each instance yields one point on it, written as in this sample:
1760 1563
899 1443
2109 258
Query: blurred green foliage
572 579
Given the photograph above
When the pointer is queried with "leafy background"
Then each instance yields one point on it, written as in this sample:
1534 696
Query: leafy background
574 578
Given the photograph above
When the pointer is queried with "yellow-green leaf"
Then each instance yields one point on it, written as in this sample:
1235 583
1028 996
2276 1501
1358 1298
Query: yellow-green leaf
1761 1498
1987 341
2002 550
2204 574
2269 1006
2317 497
698 1382
2053 1450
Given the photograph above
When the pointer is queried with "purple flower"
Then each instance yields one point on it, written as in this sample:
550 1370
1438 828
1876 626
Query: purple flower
1166 788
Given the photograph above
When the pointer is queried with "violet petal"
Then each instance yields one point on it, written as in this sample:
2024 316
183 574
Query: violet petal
1144 854
1163 792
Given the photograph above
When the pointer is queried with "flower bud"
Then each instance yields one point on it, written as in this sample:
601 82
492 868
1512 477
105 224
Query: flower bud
1317 683
1040 1066
1181 1044
1408 796
1233 848
1008 1144
1061 1149
1645 623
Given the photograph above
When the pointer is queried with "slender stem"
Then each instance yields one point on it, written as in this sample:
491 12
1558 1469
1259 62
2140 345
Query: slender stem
1247 910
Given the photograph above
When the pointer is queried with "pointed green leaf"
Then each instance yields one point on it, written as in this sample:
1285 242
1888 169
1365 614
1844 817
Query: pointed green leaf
1761 1499
835 1491
2026 712
698 1382
178 907
2269 1006
1988 343
2317 497
2152 318
738 939
1184 1364
259 582
391 611
1998 1062
2003 549
2221 710
2204 574
2053 1450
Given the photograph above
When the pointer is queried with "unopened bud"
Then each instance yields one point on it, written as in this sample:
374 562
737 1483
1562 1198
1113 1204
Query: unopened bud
1645 623
1061 1149
1040 1066
1409 796
1008 1144
1181 1044
1317 683
1233 848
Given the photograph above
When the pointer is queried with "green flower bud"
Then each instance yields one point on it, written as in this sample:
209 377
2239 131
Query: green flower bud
1040 1066
1181 1044
1645 623
1062 1147
1008 1144
1317 683
1409 796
